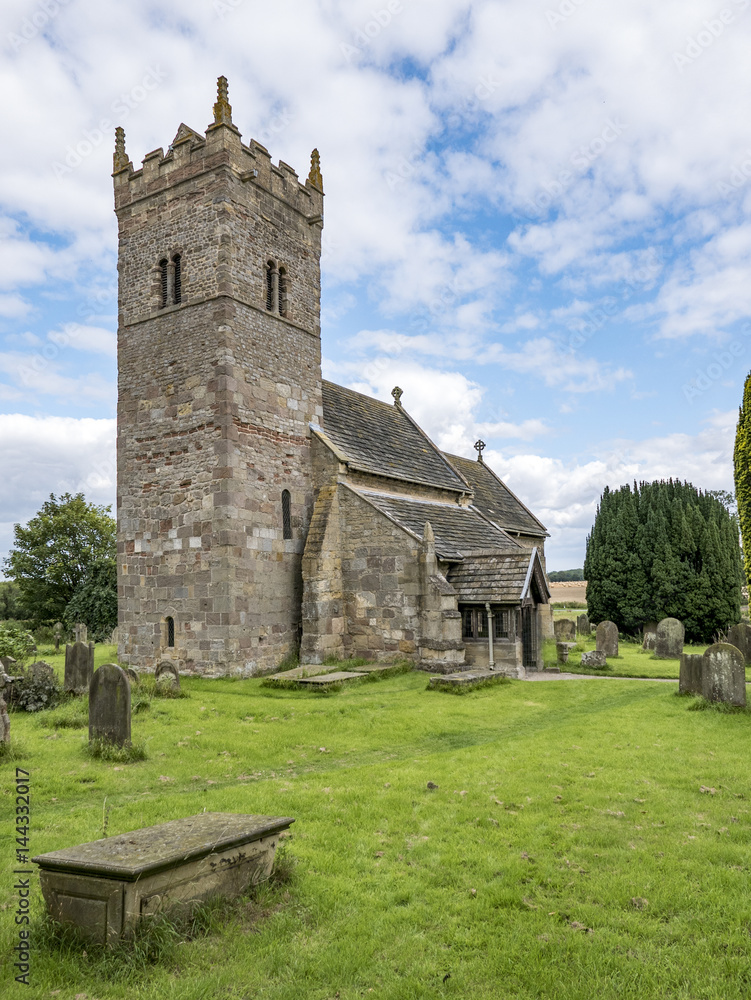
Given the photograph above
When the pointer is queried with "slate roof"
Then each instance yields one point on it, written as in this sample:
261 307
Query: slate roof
383 439
495 499
458 530
494 578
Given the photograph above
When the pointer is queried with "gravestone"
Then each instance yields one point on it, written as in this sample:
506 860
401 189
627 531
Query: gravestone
82 632
565 630
740 637
79 667
4 717
40 671
669 641
8 663
594 658
607 638
563 649
132 675
650 635
109 705
115 637
583 626
724 674
58 630
689 681
166 673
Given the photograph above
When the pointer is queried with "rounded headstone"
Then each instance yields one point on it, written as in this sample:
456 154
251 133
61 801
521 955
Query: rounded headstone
79 667
740 637
650 635
132 674
109 705
583 625
669 640
565 630
724 674
607 638
40 671
167 673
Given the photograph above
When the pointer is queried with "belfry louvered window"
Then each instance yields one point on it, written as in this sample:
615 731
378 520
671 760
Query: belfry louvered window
271 275
286 514
282 291
178 278
164 280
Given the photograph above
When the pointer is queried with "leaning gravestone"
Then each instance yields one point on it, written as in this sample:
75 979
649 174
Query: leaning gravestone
565 630
669 641
689 681
583 626
132 675
724 674
740 637
167 673
607 638
594 658
109 705
79 667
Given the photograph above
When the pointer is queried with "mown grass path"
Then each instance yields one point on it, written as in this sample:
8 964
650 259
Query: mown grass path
568 852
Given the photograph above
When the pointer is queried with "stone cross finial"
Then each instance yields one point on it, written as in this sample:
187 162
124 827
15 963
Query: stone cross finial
480 446
222 108
397 393
315 177
120 158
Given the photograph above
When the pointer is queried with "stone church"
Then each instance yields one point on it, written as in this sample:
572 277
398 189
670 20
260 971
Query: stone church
262 511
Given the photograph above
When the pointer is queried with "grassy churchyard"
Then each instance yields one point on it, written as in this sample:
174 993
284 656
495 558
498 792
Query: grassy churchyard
586 839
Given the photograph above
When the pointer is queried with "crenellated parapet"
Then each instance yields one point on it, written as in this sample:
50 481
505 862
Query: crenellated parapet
191 154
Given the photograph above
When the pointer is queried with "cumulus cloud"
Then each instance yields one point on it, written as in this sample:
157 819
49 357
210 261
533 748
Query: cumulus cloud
43 455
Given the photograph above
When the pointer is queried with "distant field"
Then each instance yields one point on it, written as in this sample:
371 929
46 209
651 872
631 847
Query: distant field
573 591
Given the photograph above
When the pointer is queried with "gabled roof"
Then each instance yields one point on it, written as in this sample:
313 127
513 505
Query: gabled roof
384 440
495 499
458 530
508 578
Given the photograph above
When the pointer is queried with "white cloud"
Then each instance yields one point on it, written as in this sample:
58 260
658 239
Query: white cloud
85 338
43 455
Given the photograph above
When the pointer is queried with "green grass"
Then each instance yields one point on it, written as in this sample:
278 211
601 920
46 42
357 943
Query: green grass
585 840
632 661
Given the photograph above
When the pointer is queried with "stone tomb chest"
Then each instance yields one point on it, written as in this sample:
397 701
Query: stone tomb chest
105 887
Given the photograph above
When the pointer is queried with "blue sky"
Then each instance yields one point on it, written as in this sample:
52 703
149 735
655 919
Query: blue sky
536 222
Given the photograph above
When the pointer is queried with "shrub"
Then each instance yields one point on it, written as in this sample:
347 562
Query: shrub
16 642
34 691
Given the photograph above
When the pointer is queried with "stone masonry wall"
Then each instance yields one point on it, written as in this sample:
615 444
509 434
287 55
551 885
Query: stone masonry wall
215 397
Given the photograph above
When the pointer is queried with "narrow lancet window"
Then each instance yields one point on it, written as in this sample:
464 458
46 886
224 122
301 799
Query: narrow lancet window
164 280
282 291
286 514
170 632
270 283
178 278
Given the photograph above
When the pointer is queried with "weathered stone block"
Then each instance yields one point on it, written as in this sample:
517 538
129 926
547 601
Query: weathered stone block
594 658
690 680
669 639
563 649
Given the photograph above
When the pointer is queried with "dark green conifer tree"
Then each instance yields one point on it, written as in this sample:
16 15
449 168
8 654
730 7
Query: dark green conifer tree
742 472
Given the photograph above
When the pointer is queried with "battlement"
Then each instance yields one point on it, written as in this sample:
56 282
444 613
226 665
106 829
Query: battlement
191 154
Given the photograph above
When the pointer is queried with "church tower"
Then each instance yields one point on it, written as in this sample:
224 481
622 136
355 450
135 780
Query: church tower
219 377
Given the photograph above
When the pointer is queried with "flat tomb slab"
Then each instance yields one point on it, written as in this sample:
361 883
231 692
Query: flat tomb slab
297 673
106 886
338 677
466 678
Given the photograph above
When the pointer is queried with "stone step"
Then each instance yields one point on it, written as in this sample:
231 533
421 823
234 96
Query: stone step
304 670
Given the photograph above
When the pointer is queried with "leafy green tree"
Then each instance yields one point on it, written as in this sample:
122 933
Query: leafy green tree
664 549
95 601
53 556
10 601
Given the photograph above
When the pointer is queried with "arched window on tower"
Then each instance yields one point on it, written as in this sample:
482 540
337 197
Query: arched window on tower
286 514
170 632
164 280
282 291
178 278
271 276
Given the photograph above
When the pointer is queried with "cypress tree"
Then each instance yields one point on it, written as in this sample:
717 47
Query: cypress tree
742 473
664 549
